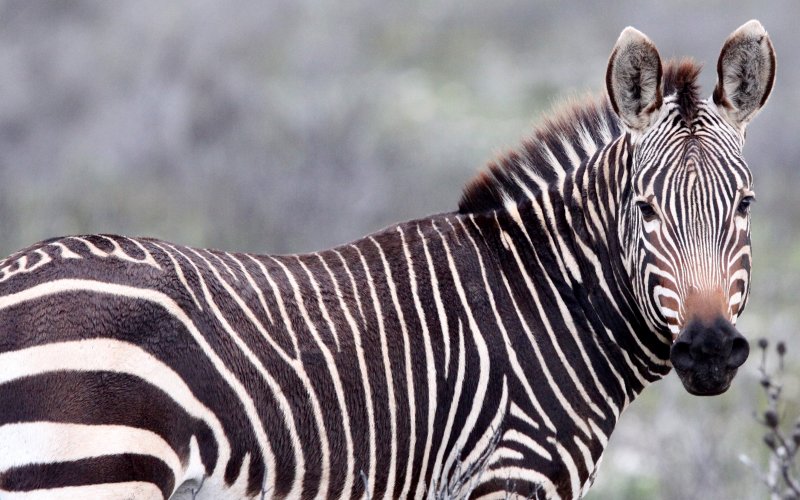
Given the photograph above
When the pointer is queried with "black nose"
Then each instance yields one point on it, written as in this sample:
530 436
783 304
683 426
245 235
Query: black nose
707 354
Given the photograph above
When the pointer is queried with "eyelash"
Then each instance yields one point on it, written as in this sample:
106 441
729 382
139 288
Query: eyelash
647 210
744 206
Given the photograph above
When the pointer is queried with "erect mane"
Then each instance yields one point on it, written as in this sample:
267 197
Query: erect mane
565 139
680 79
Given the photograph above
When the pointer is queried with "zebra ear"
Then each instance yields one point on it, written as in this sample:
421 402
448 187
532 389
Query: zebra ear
746 73
633 79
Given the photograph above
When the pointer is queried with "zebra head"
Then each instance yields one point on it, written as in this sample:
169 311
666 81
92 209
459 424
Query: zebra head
684 211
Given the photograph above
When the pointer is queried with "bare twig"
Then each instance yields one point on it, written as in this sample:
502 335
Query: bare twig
464 480
781 476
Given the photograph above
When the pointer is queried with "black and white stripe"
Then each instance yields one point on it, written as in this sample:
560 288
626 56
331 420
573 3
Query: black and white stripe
476 353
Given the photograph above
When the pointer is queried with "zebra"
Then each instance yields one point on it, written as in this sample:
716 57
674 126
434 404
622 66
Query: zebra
486 352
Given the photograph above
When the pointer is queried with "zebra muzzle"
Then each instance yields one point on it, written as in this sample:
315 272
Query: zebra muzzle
707 355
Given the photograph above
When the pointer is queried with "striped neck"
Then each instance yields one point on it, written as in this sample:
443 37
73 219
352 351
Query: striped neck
558 197
564 238
598 191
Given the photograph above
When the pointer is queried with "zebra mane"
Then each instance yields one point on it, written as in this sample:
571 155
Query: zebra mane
565 139
680 79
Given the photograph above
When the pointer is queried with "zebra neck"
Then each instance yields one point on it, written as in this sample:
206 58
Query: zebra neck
560 253
595 194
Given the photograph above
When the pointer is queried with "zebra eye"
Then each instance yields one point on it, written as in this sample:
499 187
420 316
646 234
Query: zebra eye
744 205
648 212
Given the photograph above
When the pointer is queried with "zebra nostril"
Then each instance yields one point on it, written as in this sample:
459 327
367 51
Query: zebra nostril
739 352
681 355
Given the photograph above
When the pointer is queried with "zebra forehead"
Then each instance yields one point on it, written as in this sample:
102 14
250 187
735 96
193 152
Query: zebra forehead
698 169
689 158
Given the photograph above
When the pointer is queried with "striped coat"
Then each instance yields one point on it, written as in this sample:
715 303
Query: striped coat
488 351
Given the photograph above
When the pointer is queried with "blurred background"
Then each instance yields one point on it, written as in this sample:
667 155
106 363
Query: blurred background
292 125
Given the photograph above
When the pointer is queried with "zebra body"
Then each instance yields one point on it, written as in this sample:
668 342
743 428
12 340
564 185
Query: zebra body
332 327
477 353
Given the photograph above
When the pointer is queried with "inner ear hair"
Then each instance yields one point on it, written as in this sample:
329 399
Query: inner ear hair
745 73
633 79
